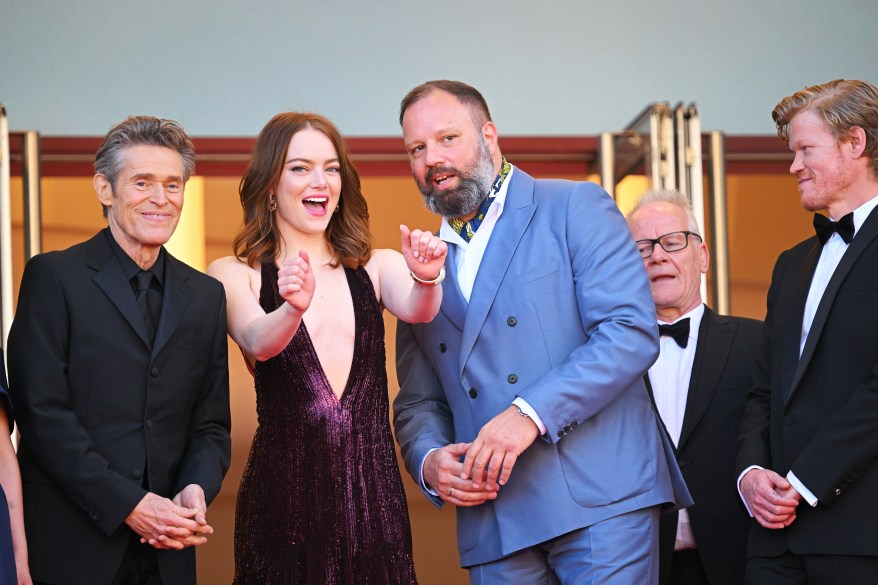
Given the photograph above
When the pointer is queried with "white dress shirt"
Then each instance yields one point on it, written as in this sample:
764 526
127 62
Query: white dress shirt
669 377
471 253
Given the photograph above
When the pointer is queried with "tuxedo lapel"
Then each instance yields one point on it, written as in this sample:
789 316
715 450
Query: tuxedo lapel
518 211
794 314
453 304
858 245
174 302
648 383
715 337
110 278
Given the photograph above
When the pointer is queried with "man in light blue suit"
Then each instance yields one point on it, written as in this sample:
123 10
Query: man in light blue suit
523 402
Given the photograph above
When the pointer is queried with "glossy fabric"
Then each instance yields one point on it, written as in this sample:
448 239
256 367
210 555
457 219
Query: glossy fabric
322 501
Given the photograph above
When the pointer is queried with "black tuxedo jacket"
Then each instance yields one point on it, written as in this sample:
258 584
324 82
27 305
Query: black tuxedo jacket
721 376
818 415
104 416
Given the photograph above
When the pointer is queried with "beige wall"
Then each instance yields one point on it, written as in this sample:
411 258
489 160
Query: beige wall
764 218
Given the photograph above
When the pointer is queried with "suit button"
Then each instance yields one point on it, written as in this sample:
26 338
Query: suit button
838 491
574 424
442 347
137 474
567 428
149 423
512 321
473 392
788 420
512 378
154 372
560 433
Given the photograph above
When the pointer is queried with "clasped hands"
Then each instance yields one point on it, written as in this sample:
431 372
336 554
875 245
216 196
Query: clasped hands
172 524
487 461
771 498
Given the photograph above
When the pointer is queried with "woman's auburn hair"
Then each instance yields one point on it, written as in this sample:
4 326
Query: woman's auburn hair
259 240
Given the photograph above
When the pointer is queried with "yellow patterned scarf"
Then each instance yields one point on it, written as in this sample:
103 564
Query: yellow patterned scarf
467 229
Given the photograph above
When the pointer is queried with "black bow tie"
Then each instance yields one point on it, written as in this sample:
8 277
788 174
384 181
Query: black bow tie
825 226
679 331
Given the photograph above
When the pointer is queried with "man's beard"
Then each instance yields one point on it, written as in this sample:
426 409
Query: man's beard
473 186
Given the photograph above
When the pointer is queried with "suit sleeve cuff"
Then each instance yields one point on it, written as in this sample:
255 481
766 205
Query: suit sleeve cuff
803 491
740 477
421 481
529 411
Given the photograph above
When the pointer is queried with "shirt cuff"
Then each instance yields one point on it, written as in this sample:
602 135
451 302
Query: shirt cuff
740 477
803 491
421 481
529 411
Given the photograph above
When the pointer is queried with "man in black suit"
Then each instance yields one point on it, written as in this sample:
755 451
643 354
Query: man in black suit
699 384
118 371
808 456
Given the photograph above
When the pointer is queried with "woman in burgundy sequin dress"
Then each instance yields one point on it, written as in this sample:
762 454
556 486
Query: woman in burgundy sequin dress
321 500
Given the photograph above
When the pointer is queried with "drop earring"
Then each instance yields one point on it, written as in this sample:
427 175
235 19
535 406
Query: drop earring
272 203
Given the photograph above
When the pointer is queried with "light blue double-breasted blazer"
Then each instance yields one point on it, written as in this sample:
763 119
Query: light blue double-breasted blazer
560 314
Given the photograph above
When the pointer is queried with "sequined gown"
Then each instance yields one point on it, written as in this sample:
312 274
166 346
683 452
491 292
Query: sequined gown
321 501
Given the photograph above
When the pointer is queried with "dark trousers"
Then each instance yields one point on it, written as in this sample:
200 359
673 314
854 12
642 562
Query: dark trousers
792 569
139 566
686 569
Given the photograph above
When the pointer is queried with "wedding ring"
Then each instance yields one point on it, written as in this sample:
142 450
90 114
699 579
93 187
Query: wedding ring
450 492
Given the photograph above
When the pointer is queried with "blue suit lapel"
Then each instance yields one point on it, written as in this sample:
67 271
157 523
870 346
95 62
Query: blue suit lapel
861 241
517 213
453 303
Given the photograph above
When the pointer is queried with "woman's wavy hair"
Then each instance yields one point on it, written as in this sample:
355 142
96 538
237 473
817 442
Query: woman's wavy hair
259 240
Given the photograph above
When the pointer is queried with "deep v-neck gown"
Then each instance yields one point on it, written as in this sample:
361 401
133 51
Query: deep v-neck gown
321 501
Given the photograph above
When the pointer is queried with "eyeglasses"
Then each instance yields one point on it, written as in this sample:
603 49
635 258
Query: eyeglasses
672 242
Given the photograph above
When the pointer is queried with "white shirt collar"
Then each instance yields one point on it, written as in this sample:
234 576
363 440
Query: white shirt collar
447 233
862 212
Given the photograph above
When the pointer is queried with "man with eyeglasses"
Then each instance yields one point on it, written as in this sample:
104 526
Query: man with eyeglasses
699 384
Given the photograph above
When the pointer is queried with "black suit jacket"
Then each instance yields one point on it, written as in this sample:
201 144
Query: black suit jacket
98 408
721 376
818 415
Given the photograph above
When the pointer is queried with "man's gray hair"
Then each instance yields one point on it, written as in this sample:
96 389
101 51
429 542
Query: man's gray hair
137 131
672 197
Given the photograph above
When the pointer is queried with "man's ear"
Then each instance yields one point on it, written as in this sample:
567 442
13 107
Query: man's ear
704 256
857 141
489 133
104 189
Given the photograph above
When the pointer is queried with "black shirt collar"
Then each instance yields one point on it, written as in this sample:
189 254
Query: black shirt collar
129 266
